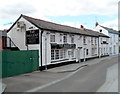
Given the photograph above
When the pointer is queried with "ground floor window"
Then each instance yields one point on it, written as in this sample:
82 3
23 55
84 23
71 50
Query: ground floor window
52 55
72 52
58 54
94 51
61 54
110 50
64 53
114 50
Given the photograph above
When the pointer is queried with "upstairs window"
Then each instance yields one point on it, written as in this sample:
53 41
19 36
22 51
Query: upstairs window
86 51
101 39
60 37
91 40
72 39
65 38
95 40
84 40
52 38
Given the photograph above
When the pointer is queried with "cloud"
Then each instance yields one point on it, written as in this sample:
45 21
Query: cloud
76 7
15 9
11 9
59 7
74 24
112 24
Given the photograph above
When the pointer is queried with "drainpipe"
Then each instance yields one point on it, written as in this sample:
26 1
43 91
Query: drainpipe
45 53
84 54
26 36
98 48
41 68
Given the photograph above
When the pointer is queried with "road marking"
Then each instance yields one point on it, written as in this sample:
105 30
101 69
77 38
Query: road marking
56 81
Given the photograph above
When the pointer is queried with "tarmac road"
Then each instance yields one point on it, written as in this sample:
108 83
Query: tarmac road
88 79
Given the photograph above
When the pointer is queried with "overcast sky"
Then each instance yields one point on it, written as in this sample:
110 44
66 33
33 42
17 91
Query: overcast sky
67 12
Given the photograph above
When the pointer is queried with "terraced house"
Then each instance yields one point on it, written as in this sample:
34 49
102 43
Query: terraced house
113 40
57 44
3 42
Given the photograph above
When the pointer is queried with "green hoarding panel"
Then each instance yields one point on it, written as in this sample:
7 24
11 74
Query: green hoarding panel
19 62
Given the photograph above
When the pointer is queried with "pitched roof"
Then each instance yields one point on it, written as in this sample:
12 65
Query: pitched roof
109 29
45 25
3 32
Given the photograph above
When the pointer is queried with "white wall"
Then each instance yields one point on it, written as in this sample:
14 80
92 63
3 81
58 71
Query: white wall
98 28
113 44
18 37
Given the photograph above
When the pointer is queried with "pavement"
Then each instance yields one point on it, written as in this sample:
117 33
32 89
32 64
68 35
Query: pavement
75 66
67 68
2 87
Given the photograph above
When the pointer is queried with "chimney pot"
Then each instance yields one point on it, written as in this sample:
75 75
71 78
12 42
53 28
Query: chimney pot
82 26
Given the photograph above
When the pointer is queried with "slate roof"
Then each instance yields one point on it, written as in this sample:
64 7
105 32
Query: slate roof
45 25
3 33
109 29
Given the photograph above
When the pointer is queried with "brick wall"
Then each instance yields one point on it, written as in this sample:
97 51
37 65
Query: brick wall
1 44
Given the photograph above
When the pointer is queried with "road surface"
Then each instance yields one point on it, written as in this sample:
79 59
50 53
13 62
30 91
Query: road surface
88 79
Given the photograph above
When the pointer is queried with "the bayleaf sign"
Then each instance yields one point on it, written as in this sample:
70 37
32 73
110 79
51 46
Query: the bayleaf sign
32 37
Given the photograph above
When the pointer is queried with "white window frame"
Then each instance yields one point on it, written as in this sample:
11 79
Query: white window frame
52 37
95 41
91 40
84 39
65 38
61 54
61 38
57 54
52 56
72 53
72 38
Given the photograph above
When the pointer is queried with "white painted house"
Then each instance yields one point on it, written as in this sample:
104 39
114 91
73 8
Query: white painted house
57 43
113 41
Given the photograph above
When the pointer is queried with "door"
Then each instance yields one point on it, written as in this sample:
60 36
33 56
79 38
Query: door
78 55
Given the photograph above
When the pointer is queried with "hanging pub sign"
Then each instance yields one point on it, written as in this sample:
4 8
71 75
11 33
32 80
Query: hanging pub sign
32 37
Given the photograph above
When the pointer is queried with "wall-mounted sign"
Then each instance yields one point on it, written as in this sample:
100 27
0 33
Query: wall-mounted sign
67 46
32 37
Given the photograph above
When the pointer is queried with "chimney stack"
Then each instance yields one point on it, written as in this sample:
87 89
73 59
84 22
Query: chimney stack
96 24
81 26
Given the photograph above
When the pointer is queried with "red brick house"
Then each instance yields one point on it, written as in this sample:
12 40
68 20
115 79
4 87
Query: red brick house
3 41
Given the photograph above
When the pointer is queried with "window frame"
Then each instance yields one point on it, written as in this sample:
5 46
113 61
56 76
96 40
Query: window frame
52 39
65 38
84 40
72 39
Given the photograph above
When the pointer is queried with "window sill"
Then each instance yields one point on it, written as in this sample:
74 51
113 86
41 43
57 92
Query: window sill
58 60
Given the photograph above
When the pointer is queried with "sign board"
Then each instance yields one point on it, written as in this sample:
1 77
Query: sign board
67 46
32 37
